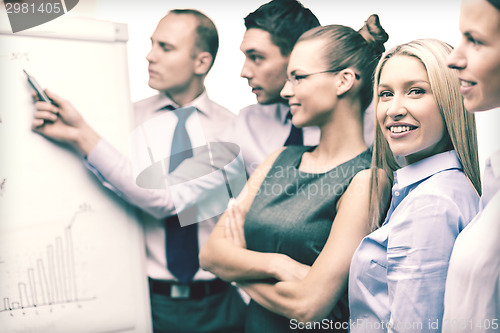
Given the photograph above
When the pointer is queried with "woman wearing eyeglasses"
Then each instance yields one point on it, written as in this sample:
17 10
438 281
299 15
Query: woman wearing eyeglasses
289 239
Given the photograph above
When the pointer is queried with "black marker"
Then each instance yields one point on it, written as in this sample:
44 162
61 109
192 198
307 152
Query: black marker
39 91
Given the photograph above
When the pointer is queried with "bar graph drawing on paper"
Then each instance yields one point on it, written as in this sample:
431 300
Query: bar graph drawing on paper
52 279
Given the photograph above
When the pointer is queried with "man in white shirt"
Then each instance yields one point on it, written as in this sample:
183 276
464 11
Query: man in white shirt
184 46
262 128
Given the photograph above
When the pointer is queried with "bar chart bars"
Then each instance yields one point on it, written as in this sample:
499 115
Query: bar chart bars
72 272
52 279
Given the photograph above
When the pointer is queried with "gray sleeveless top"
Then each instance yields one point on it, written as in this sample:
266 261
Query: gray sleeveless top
292 214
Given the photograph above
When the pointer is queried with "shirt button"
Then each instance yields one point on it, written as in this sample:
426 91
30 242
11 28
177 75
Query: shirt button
396 193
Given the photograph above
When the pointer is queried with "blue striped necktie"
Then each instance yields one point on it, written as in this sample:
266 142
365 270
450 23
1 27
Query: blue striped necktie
182 242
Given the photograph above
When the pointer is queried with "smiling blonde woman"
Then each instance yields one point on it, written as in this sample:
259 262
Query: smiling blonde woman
398 273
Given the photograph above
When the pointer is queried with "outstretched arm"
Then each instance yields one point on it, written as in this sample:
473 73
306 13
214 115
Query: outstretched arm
63 123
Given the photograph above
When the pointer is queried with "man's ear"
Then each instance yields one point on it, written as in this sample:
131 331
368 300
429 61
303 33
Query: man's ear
346 80
203 62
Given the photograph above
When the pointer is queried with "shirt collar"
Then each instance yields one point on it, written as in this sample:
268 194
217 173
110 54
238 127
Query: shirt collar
494 161
427 167
201 103
283 110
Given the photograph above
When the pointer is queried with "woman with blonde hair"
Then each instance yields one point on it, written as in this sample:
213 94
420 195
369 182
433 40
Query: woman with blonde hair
289 240
398 273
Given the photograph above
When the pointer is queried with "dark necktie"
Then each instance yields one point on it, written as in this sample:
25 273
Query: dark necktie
182 242
296 136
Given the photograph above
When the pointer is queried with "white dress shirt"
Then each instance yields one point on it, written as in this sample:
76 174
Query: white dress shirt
117 173
261 129
472 297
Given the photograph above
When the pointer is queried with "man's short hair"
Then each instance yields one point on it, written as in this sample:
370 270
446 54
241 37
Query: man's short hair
495 3
285 20
207 39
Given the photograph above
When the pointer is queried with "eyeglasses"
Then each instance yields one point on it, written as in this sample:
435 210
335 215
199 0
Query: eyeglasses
295 79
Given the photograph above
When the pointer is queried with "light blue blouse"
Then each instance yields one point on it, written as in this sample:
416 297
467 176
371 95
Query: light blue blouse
398 273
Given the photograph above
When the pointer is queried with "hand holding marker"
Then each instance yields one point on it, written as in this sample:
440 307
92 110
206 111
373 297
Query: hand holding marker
39 91
40 94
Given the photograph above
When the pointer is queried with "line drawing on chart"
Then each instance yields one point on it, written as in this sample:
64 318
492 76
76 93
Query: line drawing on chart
2 184
23 56
53 281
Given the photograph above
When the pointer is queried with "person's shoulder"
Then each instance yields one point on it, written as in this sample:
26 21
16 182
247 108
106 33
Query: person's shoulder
262 117
218 112
249 111
493 162
447 182
439 174
450 190
284 154
266 165
364 177
260 109
251 107
363 160
218 109
296 149
145 103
